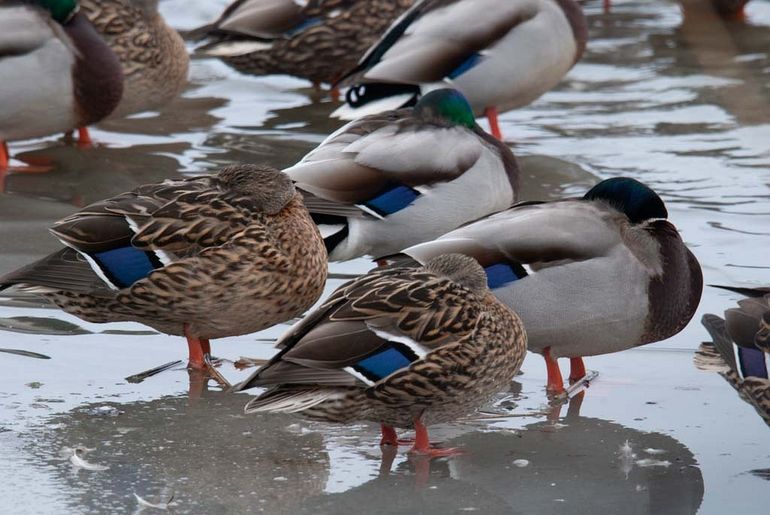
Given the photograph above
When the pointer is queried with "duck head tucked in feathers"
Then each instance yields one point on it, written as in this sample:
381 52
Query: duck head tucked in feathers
58 73
588 276
316 39
207 257
501 55
391 180
404 347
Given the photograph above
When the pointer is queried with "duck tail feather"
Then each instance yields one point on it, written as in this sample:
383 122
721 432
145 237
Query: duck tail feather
291 399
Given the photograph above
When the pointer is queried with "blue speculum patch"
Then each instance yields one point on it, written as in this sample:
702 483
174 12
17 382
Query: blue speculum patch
466 65
125 265
302 26
393 200
385 362
752 362
500 274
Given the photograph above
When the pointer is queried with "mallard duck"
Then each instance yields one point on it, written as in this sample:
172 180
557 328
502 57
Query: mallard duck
604 273
318 40
206 257
152 54
395 179
742 345
58 74
501 55
405 347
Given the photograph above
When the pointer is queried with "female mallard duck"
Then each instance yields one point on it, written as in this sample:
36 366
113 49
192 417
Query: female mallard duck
742 345
406 347
206 257
318 40
606 272
153 54
58 74
501 55
395 179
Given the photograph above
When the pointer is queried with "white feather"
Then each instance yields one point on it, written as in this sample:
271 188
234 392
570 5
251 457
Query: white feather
359 376
329 229
346 112
295 403
236 48
418 349
738 362
163 256
369 211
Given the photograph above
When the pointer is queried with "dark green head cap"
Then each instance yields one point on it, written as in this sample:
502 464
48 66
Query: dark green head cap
446 104
61 10
629 196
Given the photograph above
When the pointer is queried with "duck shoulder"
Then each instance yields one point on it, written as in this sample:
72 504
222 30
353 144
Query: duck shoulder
24 28
391 151
265 19
175 215
744 322
539 234
435 37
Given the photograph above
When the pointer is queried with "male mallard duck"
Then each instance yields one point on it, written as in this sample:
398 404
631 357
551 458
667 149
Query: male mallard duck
401 346
395 179
58 74
742 342
206 257
318 40
606 272
501 55
153 54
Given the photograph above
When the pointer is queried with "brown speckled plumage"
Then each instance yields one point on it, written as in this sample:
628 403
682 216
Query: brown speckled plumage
321 52
153 55
244 255
474 347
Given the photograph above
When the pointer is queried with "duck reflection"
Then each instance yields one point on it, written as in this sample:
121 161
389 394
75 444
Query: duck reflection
707 44
580 464
206 453
80 177
569 464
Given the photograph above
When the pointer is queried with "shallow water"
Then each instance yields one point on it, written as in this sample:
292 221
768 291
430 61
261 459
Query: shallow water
680 106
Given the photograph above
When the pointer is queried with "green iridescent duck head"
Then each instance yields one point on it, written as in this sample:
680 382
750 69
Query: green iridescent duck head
446 104
61 10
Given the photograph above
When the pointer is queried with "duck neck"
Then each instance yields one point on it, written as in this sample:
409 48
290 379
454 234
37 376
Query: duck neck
673 295
299 227
97 72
